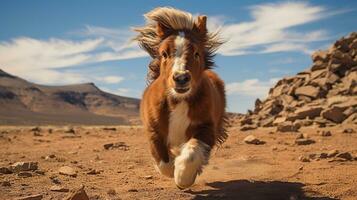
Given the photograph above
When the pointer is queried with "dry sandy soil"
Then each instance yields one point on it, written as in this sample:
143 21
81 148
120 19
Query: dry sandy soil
236 171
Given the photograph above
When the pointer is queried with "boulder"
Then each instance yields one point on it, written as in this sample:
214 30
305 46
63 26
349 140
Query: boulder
288 127
23 166
334 114
309 112
251 139
309 91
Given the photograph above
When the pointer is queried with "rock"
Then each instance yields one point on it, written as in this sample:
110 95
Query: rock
57 188
111 192
79 194
36 129
6 184
24 174
248 127
250 139
109 129
326 133
323 155
304 141
93 172
133 190
70 130
332 153
31 197
279 120
348 130
5 170
246 120
68 171
345 155
309 112
334 114
268 122
148 177
309 91
304 159
288 127
118 145
319 56
23 166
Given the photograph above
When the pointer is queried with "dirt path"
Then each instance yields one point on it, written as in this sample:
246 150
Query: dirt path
273 170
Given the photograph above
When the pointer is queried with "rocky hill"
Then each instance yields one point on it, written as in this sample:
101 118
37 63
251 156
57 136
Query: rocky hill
26 103
324 95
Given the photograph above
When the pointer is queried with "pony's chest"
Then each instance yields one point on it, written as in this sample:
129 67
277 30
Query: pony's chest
178 124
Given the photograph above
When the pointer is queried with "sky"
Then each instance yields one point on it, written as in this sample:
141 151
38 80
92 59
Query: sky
69 42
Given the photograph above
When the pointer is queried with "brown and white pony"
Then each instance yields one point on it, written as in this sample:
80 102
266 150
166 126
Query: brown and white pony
183 107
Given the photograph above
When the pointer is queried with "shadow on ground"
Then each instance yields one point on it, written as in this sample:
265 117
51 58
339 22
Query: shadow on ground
254 190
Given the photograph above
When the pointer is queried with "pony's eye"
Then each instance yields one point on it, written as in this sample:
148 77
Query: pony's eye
164 54
197 55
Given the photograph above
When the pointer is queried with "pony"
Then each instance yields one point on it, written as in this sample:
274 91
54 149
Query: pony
183 105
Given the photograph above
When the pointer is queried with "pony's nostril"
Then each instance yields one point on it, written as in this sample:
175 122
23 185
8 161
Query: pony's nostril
182 79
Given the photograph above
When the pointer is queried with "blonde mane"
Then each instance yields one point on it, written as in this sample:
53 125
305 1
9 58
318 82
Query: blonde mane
175 20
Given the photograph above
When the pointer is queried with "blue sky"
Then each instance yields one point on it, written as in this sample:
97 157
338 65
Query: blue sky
67 42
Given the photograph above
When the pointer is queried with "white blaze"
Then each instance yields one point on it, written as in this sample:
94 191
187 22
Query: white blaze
180 62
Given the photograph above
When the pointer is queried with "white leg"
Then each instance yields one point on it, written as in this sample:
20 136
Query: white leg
166 169
194 155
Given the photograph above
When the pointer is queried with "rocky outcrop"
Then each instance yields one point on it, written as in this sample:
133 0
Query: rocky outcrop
326 93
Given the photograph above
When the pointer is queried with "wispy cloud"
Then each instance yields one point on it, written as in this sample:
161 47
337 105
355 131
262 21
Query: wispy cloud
39 59
251 87
271 29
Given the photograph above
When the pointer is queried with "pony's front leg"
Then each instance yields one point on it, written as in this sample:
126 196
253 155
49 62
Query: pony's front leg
194 155
163 163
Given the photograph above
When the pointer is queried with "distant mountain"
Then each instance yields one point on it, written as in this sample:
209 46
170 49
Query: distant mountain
26 103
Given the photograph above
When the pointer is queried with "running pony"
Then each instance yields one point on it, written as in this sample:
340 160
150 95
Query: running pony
183 107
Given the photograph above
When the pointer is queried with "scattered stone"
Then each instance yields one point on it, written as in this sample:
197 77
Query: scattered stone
304 159
93 172
24 174
31 197
70 130
148 177
109 129
40 172
36 129
326 133
111 192
68 171
57 188
348 130
6 184
332 153
345 155
55 180
323 155
304 141
251 139
79 194
24 166
5 170
248 127
118 145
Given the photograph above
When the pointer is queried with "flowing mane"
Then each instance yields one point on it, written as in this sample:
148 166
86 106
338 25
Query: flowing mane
174 20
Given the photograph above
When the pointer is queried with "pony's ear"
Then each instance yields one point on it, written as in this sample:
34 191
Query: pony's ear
161 30
201 24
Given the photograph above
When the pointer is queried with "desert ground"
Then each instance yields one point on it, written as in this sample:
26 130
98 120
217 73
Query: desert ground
114 163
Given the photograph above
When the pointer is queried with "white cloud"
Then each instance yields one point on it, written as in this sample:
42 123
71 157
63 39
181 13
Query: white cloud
270 29
128 92
38 60
251 87
111 79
